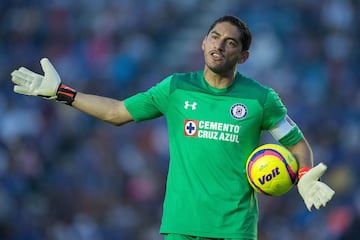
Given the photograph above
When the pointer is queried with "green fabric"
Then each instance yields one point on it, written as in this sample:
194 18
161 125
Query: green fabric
211 134
293 137
185 237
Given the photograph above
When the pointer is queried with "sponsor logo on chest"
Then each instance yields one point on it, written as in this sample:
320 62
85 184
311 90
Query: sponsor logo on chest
213 130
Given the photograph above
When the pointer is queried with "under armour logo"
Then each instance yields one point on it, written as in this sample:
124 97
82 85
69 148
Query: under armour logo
192 105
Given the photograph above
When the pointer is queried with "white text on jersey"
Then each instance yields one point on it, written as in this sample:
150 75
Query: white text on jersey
212 130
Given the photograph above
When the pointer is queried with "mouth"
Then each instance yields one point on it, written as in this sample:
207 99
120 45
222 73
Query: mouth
216 55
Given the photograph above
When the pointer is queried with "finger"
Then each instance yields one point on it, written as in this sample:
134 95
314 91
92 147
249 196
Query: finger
47 66
18 77
312 200
22 75
308 205
21 89
322 196
316 172
18 73
14 73
318 202
26 71
30 75
325 192
315 199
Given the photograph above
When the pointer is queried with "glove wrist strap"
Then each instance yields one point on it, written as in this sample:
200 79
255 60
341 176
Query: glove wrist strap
65 94
302 171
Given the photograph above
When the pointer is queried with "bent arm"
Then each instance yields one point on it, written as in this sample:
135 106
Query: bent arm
287 129
302 153
106 109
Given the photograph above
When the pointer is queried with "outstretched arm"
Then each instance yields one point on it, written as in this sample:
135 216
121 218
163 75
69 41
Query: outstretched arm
106 109
49 86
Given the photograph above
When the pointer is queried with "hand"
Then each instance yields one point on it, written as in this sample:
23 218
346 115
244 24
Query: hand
30 83
312 190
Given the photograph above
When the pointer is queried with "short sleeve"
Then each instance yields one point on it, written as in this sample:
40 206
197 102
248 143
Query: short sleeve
293 137
274 110
151 103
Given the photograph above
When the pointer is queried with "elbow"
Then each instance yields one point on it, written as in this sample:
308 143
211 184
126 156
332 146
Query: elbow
118 123
118 118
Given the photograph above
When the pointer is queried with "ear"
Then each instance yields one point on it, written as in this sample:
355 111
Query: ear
243 56
203 44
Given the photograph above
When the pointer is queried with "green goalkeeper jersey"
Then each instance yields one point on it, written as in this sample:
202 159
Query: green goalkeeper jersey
211 133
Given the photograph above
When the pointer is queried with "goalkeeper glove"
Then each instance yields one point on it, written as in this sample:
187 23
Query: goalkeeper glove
48 86
311 189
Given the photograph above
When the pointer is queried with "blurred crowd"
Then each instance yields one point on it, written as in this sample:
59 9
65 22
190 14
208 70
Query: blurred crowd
67 176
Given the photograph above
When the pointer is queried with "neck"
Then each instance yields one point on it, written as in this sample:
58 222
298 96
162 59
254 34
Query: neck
219 80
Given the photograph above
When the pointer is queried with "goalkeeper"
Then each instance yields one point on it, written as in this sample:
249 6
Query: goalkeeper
215 118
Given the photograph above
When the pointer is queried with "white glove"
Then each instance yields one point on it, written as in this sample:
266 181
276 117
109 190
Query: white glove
30 83
312 190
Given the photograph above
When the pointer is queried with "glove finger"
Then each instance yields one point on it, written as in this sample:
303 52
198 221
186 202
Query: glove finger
322 196
316 172
18 77
314 198
23 75
325 192
47 67
308 204
29 74
318 202
25 71
21 90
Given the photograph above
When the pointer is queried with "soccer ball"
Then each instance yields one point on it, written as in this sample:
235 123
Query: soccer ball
271 169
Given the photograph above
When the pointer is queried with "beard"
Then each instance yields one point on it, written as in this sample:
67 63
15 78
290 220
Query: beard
222 66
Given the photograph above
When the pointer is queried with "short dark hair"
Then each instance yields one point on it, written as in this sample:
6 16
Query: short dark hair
245 34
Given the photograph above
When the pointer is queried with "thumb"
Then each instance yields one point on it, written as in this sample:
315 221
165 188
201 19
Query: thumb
316 172
47 66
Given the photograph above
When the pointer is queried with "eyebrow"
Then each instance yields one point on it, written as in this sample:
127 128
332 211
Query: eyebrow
217 33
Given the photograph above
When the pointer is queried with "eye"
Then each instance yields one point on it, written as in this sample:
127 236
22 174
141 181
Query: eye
213 36
231 43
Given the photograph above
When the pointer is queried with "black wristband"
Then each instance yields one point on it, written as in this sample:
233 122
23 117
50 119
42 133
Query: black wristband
65 94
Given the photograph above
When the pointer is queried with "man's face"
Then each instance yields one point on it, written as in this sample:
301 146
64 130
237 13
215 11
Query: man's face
223 49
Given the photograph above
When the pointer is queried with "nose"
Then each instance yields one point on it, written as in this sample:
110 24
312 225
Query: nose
220 45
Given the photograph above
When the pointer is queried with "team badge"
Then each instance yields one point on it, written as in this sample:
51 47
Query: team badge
238 111
190 128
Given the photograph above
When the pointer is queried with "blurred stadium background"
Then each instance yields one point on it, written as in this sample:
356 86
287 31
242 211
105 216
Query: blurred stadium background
66 176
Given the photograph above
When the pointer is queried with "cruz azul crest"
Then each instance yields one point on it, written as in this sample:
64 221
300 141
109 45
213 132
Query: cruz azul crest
238 111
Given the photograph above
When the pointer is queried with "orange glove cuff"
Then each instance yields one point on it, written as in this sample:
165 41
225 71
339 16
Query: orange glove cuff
65 94
302 171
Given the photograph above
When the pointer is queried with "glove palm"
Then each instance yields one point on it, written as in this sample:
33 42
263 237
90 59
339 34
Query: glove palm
312 190
30 83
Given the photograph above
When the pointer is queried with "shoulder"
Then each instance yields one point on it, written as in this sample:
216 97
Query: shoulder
187 76
185 81
248 82
252 87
